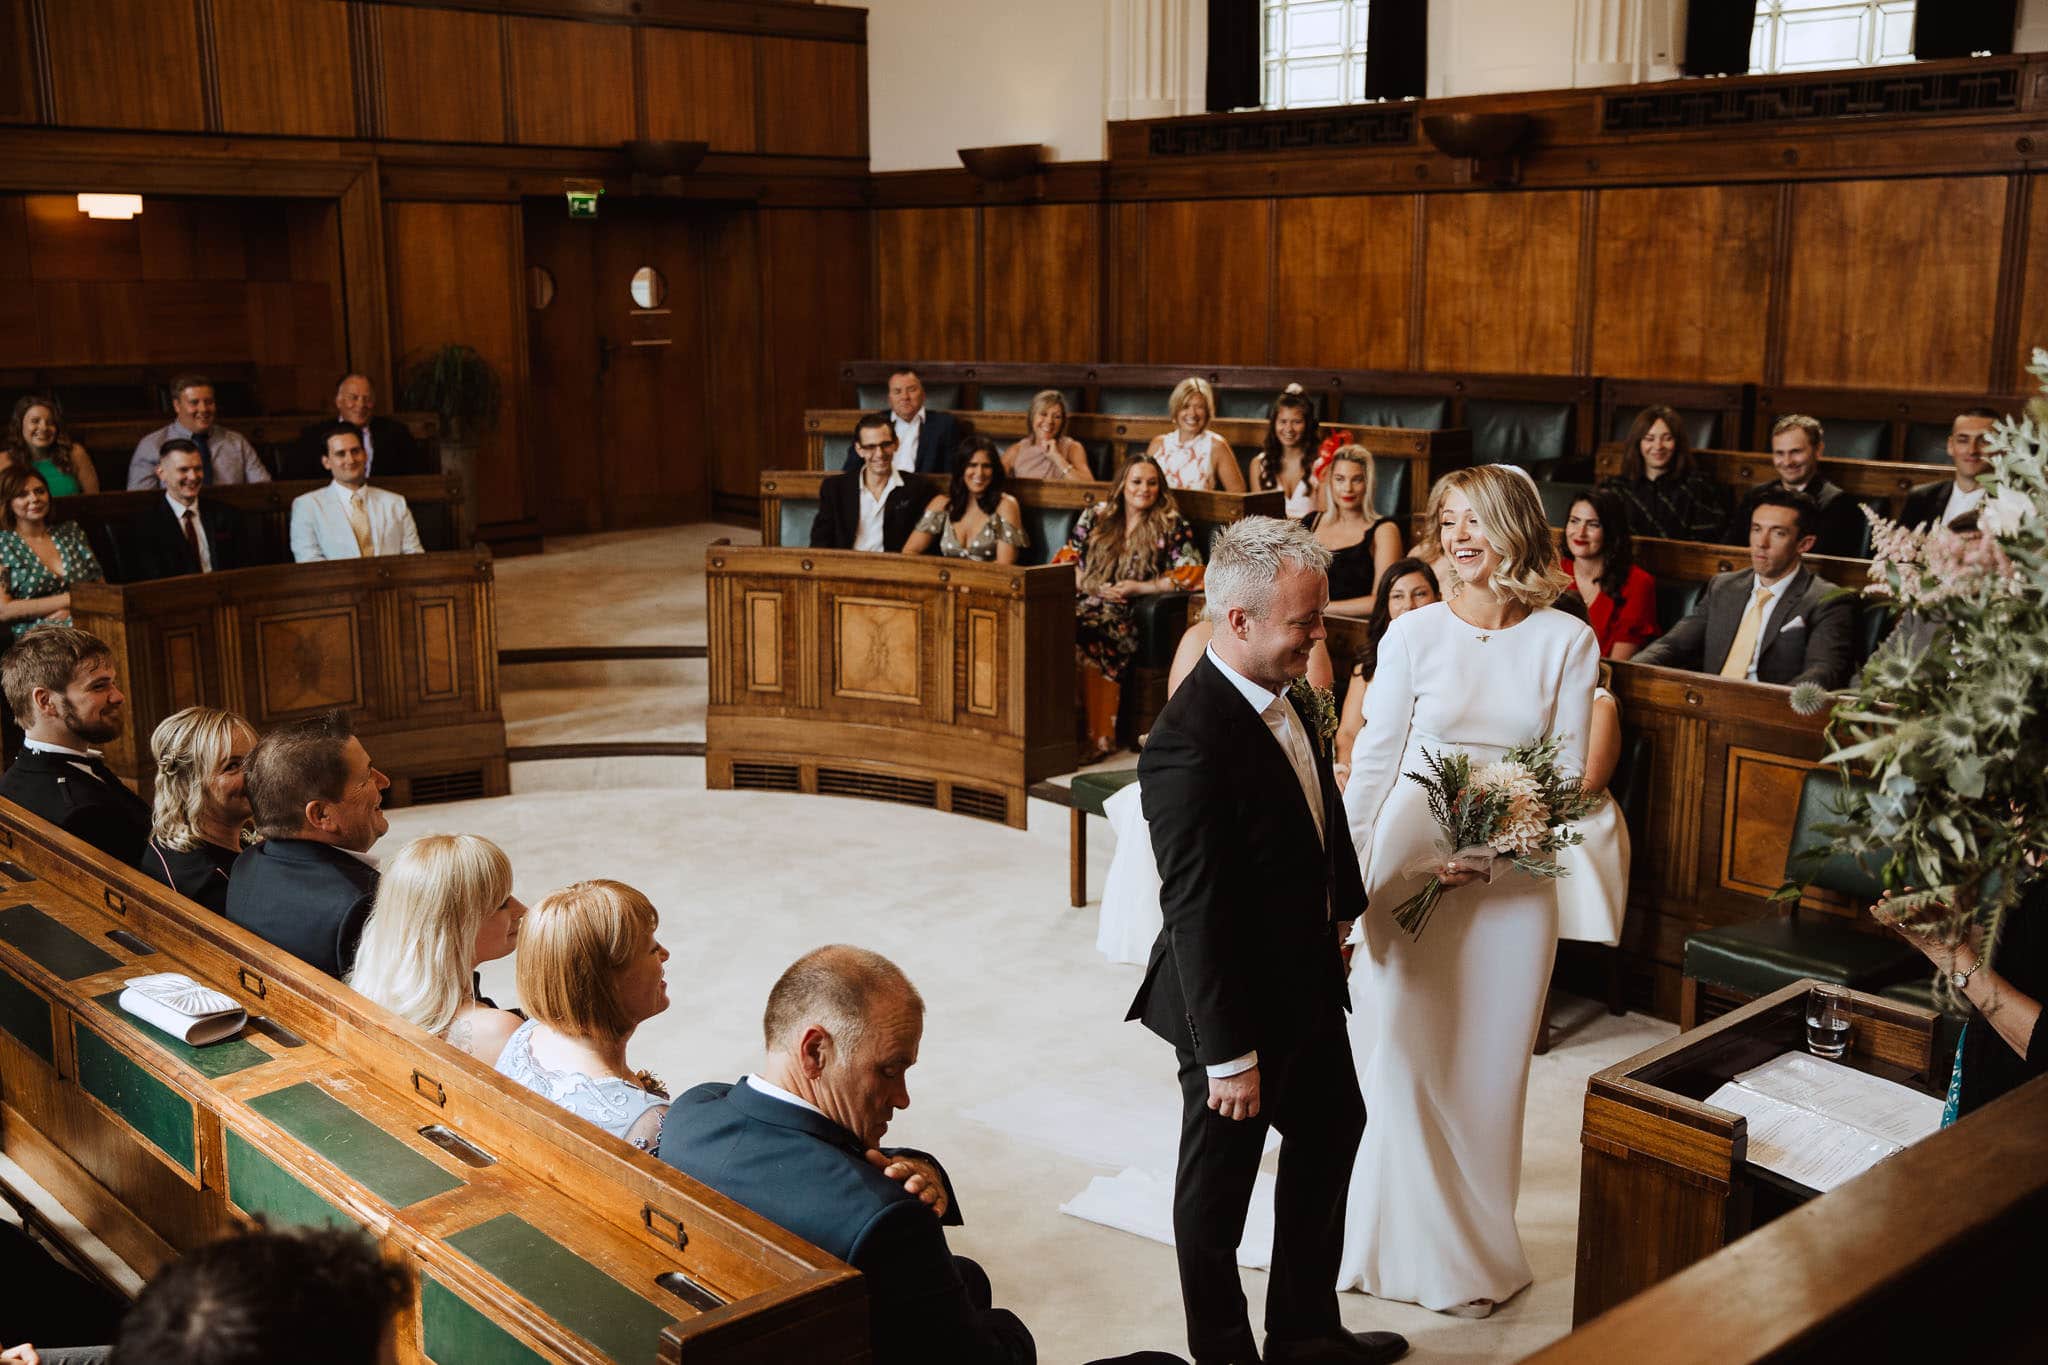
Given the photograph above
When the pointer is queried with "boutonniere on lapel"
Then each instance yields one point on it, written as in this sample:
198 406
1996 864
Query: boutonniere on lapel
1319 706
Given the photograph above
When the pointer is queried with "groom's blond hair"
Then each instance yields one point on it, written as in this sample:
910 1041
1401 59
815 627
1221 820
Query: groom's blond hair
1246 557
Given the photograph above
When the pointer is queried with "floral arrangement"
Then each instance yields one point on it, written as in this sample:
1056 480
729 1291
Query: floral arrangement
1946 719
1520 807
1319 706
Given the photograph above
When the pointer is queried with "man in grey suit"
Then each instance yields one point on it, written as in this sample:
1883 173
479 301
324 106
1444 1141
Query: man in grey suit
1773 622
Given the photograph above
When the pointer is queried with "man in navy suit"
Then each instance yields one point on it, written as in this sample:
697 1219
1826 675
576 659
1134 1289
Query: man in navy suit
925 441
799 1143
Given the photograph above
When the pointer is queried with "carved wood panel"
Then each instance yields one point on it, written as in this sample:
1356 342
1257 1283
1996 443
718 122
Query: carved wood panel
436 631
875 650
308 661
763 652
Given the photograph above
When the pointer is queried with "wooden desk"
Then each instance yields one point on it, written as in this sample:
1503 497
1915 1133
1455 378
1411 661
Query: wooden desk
1664 1180
533 1235
937 682
407 643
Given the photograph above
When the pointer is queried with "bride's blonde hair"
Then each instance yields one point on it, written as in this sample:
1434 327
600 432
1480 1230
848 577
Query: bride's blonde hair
1512 515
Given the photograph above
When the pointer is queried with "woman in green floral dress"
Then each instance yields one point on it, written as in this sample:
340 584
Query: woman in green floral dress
1134 545
41 561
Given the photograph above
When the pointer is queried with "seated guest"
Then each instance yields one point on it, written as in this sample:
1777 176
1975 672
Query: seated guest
1135 544
36 438
388 447
1773 622
229 456
590 972
444 907
925 441
180 534
202 803
1406 584
349 519
1796 449
319 808
1048 453
1599 554
1191 455
60 686
976 519
876 508
799 1142
1940 503
1288 457
40 560
1666 496
1360 541
310 1295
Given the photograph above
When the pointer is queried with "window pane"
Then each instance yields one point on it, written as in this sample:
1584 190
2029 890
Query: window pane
1812 35
1314 29
1314 82
1820 41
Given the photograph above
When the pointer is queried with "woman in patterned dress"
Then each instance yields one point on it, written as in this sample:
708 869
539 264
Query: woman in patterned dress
1135 545
975 519
1666 496
1191 455
41 560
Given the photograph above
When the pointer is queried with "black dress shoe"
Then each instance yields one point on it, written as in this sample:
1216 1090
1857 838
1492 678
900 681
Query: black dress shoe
1338 1348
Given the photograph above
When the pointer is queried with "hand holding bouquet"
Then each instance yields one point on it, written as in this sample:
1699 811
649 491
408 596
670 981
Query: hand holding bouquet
1519 807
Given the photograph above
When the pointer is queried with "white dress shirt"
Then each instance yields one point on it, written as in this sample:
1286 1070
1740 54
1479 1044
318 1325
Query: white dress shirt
81 754
1278 714
320 528
870 537
1960 502
776 1092
906 440
179 510
1763 625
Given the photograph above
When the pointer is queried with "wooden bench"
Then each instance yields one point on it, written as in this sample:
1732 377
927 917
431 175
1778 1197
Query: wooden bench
407 643
111 441
533 1235
1877 424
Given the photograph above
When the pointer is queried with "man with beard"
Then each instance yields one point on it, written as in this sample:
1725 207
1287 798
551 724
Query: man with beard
59 683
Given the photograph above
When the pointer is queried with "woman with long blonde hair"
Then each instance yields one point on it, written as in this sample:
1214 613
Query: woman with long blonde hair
200 817
444 907
1362 543
1443 1023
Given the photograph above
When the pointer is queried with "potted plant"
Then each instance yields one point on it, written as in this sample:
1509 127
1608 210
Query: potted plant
456 383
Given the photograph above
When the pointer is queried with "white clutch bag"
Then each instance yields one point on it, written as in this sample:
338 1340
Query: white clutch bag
183 1008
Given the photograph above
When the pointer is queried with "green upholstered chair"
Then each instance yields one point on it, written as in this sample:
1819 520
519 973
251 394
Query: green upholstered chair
1086 797
1017 397
1558 497
937 397
1048 528
1532 435
1850 438
1740 962
1134 402
1390 489
1247 403
1423 413
1675 600
1926 443
797 516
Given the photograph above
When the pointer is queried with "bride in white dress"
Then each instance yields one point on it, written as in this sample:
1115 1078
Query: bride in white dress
1449 1019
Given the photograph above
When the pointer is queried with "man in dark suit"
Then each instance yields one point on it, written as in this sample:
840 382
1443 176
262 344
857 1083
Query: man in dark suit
875 508
1258 887
1773 622
179 533
925 441
60 685
319 805
800 1144
1940 503
1796 449
389 444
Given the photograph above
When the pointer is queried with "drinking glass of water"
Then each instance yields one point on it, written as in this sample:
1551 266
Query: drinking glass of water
1827 1021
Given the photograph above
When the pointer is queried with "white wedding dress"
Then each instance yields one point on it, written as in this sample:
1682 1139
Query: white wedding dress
1444 1024
1592 896
1131 917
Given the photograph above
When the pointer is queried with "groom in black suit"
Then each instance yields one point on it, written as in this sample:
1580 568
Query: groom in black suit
1259 885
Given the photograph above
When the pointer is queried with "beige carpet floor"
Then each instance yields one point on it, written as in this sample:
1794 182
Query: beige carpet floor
1019 1002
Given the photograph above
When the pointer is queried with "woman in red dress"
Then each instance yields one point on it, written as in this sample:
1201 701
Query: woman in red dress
1620 598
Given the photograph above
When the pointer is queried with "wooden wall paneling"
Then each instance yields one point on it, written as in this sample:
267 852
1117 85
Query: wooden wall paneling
1682 281
126 64
650 411
925 284
700 87
813 98
18 96
1502 281
729 242
200 321
1124 283
284 67
1892 283
562 355
1206 267
571 82
1041 279
2033 317
815 278
64 244
1340 294
444 74
358 240
21 321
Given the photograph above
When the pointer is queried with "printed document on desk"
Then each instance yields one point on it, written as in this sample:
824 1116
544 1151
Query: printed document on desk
1821 1123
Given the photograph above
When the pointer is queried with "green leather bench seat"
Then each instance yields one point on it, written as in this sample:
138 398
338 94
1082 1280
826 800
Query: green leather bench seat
1138 402
1675 601
1393 410
1759 956
1048 528
1703 429
937 397
1532 435
1926 443
1089 791
1245 403
1017 397
1558 499
797 516
1855 439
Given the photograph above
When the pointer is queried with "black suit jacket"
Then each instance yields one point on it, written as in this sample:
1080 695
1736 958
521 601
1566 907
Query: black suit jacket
104 814
935 444
200 874
308 898
1818 647
1247 957
1841 519
838 520
157 547
1925 504
804 1172
394 451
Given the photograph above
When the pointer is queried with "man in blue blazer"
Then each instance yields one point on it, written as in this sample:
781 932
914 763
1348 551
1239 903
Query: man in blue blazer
799 1144
925 441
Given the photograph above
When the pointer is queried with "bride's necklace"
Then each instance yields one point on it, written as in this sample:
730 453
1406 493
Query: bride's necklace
1480 633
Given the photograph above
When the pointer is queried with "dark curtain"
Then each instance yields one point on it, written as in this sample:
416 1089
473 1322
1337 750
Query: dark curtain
1717 37
1233 81
1396 49
1956 28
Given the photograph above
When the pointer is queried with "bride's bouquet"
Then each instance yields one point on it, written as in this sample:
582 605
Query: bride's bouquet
1519 807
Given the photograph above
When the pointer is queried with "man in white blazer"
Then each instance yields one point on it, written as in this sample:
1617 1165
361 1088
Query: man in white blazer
348 519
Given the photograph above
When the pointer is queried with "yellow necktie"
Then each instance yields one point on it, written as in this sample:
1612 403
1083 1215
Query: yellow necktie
359 522
1737 664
